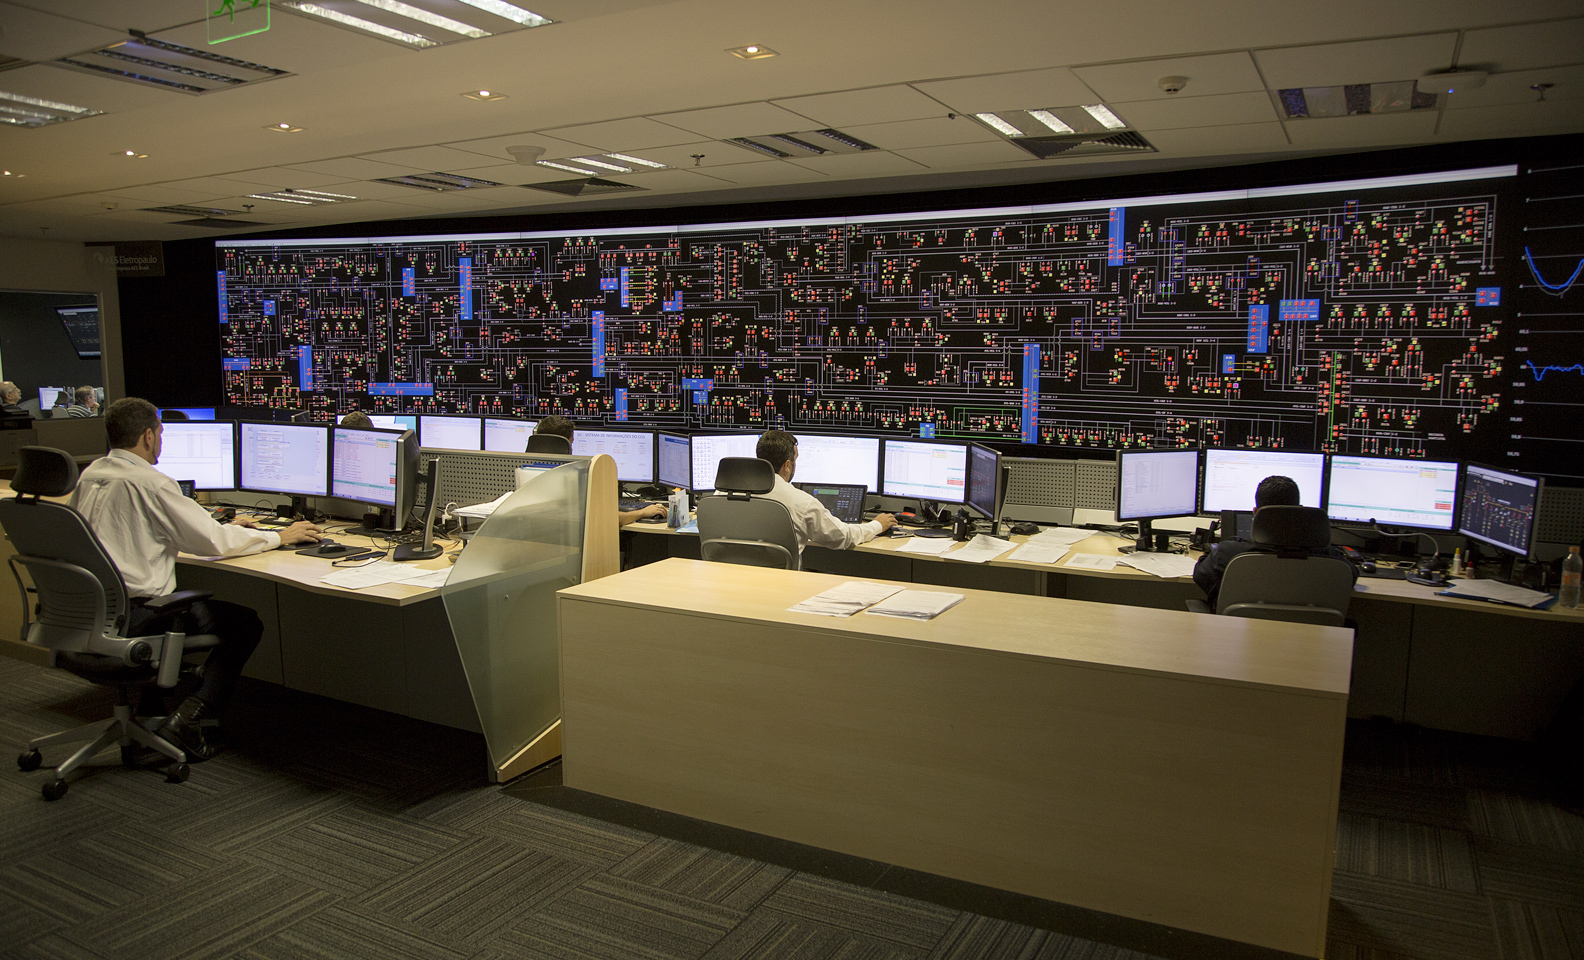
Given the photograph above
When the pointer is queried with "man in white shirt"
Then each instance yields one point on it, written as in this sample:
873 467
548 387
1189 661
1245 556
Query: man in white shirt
811 521
141 517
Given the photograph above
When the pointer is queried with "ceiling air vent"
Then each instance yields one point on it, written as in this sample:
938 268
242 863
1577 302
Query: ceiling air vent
588 187
214 223
169 66
439 182
1084 145
24 111
813 143
186 211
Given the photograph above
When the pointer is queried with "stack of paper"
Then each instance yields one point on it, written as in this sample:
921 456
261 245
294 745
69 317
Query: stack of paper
1497 592
385 571
479 510
915 604
933 546
1161 564
1055 535
845 600
981 548
1038 551
1093 561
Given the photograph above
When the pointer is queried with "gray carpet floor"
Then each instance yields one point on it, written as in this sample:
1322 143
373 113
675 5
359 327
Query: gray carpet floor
329 831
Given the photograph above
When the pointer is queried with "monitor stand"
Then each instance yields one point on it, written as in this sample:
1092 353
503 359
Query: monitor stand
298 509
380 523
1146 538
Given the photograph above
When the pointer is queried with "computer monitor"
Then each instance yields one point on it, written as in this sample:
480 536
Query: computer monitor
1498 507
1154 484
1392 491
507 436
284 458
203 452
708 449
926 471
367 466
193 413
673 461
1231 476
50 396
984 476
388 421
633 451
450 433
823 458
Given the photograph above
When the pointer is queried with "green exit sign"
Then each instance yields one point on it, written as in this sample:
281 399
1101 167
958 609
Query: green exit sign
230 19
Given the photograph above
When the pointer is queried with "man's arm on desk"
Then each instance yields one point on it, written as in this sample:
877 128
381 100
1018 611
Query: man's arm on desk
194 531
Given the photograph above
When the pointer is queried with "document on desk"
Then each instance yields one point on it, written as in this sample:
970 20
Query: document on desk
1497 592
1041 551
384 571
981 548
1060 535
915 604
933 546
844 600
1164 565
428 578
482 510
1093 561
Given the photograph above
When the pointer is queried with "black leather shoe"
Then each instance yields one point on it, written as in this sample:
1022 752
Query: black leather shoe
182 728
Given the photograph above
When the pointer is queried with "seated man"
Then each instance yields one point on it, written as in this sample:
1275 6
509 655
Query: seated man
1272 491
141 517
811 521
357 420
562 427
10 398
87 404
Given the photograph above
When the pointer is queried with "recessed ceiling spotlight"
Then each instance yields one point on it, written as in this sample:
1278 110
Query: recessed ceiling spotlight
640 161
999 125
1103 113
1051 120
133 154
485 95
751 52
283 128
12 174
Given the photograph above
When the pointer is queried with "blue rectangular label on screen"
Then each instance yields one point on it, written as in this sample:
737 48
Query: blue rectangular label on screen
926 431
1487 297
626 273
1031 365
237 363
409 282
609 284
465 269
1116 244
220 283
1259 328
305 369
269 308
598 324
401 389
1228 363
1300 311
674 304
621 403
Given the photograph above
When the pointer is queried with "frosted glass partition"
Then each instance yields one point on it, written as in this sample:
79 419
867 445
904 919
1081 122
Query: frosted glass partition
501 601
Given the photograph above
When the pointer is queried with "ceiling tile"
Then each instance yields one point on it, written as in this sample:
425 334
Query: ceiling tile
766 174
934 132
279 178
713 154
356 168
875 105
1221 141
1024 90
1505 49
875 163
297 43
1503 88
145 15
84 90
1183 111
743 120
1369 130
1521 119
1361 61
1140 79
967 155
35 35
433 159
555 149
162 194
670 181
624 136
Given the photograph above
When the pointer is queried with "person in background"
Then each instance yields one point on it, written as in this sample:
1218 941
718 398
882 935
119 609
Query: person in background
357 420
1273 491
87 404
174 416
10 398
562 427
811 521
143 521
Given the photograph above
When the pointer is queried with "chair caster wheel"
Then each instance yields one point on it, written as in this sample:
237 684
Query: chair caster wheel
30 761
177 773
54 789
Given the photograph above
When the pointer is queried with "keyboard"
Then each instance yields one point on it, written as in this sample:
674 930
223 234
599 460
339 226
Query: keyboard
629 504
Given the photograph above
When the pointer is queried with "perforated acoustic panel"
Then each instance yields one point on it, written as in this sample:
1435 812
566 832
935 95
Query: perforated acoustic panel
1560 516
467 478
1047 491
1096 487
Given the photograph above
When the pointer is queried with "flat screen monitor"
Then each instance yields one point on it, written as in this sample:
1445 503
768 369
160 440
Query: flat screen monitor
507 436
1498 507
284 458
203 452
925 470
673 461
1231 476
193 413
82 326
708 449
366 465
51 397
388 421
450 433
1153 484
633 451
1392 491
823 458
984 476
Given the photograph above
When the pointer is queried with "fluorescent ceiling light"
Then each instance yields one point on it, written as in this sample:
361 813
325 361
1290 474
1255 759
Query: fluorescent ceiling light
48 104
638 160
1050 120
1103 114
265 196
7 108
510 12
996 123
603 165
358 23
562 166
424 16
321 193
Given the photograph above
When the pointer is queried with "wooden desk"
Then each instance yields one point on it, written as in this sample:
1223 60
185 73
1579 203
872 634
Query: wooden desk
1172 767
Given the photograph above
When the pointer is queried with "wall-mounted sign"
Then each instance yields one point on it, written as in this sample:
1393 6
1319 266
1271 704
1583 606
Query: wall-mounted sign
230 19
133 258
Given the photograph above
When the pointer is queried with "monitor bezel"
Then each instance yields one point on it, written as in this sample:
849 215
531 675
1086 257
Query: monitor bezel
478 423
654 449
714 433
879 452
1457 494
1122 455
1204 473
396 495
236 451
687 441
322 427
484 432
995 490
1534 517
885 479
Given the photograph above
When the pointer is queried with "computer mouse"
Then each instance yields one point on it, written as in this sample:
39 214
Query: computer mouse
326 543
1368 566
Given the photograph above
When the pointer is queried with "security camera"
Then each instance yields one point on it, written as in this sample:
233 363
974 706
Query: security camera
1172 84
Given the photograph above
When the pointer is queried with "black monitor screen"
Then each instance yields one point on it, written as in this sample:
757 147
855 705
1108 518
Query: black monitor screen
984 470
82 326
1498 508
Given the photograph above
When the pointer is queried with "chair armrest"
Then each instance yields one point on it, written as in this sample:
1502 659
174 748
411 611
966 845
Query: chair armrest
1197 606
179 600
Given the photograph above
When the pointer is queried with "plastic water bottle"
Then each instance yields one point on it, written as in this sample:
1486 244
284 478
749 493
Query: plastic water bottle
1572 568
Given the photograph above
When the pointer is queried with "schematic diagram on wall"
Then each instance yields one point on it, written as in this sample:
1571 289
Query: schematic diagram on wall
1364 321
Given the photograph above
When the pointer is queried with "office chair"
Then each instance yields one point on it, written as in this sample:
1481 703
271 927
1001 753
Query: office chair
737 525
1288 582
549 443
82 607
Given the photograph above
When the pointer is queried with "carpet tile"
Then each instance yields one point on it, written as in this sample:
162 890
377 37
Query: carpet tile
610 918
703 874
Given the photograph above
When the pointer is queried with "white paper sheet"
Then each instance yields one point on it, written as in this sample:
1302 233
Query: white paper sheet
368 575
915 604
1038 551
1497 591
981 548
1092 561
482 509
428 578
845 599
1054 535
933 546
1165 565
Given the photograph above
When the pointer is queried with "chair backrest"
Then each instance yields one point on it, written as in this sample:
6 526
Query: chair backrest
549 443
81 594
1291 531
1300 589
738 526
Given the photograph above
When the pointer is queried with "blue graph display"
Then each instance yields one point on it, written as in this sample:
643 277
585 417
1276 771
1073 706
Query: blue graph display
1556 288
1540 370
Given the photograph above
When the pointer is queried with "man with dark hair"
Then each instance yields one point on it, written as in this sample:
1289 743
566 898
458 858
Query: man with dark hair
811 521
87 404
1273 491
357 420
143 521
557 425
